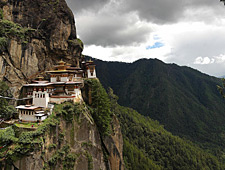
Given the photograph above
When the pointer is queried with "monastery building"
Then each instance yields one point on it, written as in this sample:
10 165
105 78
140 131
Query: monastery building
65 85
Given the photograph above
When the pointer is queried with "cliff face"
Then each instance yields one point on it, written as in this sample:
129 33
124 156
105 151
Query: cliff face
34 35
51 36
114 146
66 141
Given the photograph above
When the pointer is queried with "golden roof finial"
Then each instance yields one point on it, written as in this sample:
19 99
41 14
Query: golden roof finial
61 62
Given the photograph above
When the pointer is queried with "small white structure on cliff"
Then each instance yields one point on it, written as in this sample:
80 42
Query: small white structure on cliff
90 69
65 85
31 113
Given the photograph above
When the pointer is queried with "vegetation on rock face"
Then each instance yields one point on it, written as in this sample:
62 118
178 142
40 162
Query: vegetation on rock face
7 136
22 143
184 100
6 110
9 30
101 106
18 143
76 42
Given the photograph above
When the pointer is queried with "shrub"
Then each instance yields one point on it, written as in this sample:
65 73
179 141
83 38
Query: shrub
7 136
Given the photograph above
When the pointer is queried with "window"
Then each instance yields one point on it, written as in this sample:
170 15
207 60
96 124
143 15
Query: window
43 95
58 78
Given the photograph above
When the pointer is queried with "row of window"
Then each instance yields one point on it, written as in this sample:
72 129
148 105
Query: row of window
70 78
37 95
39 89
26 112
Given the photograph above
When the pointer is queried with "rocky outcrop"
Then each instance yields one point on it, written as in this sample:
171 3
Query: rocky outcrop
114 146
53 37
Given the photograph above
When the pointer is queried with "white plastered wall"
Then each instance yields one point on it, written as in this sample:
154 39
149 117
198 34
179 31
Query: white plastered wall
89 74
26 117
40 101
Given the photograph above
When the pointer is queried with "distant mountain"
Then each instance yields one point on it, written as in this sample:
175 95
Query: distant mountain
184 100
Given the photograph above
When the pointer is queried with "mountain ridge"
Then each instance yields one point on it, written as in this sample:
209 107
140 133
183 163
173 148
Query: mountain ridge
183 99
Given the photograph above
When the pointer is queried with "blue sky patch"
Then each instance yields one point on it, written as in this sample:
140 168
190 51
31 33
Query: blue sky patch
156 45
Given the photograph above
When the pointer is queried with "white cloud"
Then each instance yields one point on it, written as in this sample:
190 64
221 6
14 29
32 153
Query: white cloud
127 53
206 60
220 58
203 60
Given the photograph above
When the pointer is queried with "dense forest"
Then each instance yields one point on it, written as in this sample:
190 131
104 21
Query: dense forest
147 145
186 101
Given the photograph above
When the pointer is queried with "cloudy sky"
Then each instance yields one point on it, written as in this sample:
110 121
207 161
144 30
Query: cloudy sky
185 32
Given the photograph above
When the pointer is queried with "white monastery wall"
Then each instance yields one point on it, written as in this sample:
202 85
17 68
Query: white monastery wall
60 100
40 98
53 79
90 75
24 115
64 79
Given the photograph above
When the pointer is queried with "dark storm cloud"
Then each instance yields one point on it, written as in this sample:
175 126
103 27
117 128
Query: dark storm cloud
112 31
158 11
170 11
78 5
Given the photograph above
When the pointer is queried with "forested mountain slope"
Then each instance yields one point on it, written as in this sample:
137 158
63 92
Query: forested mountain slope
184 100
147 145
